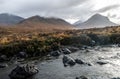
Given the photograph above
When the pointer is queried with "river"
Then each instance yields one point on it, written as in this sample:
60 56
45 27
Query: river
54 69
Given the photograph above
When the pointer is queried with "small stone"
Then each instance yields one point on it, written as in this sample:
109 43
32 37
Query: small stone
101 62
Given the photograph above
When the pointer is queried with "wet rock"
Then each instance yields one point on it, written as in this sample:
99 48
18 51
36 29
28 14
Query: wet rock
65 51
23 72
73 49
102 62
97 48
87 50
118 54
22 55
92 43
55 53
89 64
116 78
3 65
118 45
68 61
84 47
101 58
81 77
78 61
3 58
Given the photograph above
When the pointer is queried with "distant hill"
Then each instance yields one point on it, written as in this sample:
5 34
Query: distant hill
96 21
9 19
38 22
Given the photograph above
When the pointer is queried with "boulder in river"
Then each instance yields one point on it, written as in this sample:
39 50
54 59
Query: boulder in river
116 78
3 65
65 51
55 53
67 60
92 43
118 45
23 72
78 61
81 77
102 62
22 55
73 49
3 58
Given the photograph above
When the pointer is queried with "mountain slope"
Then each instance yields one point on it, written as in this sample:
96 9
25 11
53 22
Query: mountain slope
96 21
37 22
8 19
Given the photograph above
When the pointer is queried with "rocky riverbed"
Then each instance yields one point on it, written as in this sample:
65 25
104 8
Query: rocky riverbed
104 60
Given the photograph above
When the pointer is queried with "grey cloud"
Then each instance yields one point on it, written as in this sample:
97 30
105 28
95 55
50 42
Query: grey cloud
65 9
112 15
107 8
48 5
54 8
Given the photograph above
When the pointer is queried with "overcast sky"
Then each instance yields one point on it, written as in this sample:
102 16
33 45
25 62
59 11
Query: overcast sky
70 10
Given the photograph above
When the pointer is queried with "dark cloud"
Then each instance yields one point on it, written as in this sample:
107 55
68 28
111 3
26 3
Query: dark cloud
108 8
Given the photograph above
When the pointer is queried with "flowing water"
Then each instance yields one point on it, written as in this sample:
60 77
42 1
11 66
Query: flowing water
54 69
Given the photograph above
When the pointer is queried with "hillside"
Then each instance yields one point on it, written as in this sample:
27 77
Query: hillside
9 19
96 21
41 23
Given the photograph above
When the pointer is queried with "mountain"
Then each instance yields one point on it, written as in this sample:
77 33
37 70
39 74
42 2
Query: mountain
78 22
96 21
38 22
9 19
39 19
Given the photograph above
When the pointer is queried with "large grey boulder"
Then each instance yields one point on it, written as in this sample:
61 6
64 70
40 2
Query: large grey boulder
23 72
68 61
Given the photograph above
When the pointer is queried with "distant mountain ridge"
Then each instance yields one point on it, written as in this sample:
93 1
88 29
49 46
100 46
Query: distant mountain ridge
9 19
45 20
42 23
33 23
96 21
